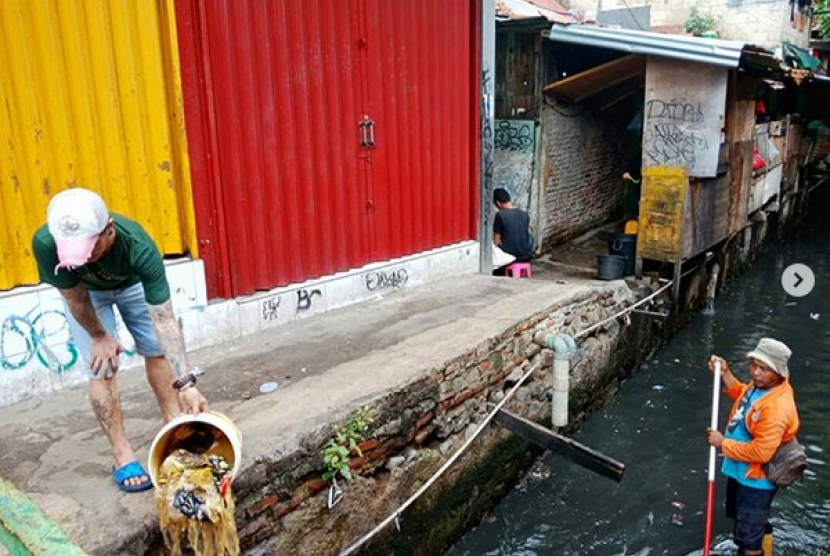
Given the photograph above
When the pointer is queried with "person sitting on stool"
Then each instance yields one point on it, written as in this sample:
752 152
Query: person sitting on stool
510 230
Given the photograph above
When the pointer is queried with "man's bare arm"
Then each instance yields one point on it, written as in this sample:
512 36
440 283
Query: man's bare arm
79 303
170 336
105 348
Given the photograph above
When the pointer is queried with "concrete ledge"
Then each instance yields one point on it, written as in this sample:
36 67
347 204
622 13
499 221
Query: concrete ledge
53 450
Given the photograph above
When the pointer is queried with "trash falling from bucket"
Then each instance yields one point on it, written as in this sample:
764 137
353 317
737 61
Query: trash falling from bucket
195 502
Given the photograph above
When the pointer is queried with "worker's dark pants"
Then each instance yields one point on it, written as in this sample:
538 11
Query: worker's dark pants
750 508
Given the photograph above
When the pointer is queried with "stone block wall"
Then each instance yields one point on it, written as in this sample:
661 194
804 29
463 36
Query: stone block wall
282 503
582 173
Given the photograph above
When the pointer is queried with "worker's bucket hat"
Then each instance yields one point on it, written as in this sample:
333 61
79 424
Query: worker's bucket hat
773 354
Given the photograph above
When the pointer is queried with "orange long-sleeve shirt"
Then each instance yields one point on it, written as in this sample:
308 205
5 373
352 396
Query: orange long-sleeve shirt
772 420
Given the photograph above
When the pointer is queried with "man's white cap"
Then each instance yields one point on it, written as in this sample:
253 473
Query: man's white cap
76 217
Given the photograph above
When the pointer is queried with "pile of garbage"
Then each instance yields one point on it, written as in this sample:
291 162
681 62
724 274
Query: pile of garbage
195 502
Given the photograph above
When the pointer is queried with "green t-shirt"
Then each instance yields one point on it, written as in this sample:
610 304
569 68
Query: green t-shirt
133 258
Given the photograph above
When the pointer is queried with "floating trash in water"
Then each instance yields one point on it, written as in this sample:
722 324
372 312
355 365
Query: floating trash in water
335 494
814 316
677 519
303 370
658 387
268 387
790 303
651 518
678 504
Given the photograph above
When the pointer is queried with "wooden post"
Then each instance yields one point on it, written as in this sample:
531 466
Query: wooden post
578 453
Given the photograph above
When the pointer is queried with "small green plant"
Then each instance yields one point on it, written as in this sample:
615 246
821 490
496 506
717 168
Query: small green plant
346 441
700 22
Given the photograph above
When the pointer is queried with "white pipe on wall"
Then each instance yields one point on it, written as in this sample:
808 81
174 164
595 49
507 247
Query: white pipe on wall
563 347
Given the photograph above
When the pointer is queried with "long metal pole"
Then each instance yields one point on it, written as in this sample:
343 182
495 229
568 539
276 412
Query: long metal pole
710 496
487 99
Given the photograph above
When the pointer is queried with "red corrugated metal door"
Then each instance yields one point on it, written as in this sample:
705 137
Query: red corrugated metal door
273 99
421 91
282 101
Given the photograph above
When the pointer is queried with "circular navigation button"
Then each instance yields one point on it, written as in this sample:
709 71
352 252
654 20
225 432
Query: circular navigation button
798 280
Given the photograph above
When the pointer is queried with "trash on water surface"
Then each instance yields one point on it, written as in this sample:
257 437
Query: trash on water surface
814 316
790 303
677 519
268 387
657 387
678 504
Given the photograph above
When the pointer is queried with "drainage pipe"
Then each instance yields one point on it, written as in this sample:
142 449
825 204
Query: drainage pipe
711 290
563 347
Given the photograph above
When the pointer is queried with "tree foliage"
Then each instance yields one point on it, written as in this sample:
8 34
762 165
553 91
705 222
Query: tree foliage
700 22
821 9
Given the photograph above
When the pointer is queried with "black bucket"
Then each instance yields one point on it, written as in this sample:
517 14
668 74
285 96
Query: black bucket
624 245
610 267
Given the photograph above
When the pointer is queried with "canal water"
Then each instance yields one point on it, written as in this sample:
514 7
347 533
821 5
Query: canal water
656 426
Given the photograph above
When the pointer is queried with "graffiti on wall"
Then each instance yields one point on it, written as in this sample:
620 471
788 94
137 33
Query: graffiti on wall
515 135
386 280
37 336
40 337
515 150
305 298
271 309
671 145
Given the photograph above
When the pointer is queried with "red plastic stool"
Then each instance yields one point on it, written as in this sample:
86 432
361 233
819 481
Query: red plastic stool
519 270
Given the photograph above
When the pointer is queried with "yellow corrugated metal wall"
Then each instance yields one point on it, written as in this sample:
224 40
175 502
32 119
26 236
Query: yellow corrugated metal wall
90 95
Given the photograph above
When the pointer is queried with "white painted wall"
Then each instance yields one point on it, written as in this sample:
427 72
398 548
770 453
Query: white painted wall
762 22
38 357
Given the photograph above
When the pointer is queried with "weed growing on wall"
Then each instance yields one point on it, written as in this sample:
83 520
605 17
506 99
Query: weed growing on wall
700 22
346 442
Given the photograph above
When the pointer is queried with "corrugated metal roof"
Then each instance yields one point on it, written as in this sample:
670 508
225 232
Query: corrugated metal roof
694 49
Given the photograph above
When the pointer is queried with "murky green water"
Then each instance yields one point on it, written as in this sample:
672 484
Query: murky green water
656 426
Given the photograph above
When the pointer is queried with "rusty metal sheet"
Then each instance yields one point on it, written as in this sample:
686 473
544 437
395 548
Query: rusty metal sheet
662 202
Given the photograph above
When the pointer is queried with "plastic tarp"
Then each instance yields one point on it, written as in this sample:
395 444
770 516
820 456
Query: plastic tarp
26 531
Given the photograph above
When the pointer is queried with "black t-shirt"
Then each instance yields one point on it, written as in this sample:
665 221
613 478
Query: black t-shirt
512 226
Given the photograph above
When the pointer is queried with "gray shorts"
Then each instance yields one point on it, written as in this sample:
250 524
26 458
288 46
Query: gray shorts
133 308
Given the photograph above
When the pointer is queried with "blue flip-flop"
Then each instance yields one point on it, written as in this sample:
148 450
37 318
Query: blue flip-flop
130 471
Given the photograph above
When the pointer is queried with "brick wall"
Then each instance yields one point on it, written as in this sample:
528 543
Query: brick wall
281 504
582 173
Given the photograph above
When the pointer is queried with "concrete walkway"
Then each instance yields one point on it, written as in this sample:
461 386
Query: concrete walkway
52 449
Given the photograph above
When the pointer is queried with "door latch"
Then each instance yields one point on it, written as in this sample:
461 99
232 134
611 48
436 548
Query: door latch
367 132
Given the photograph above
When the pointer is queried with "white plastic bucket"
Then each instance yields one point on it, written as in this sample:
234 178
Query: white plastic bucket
227 440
